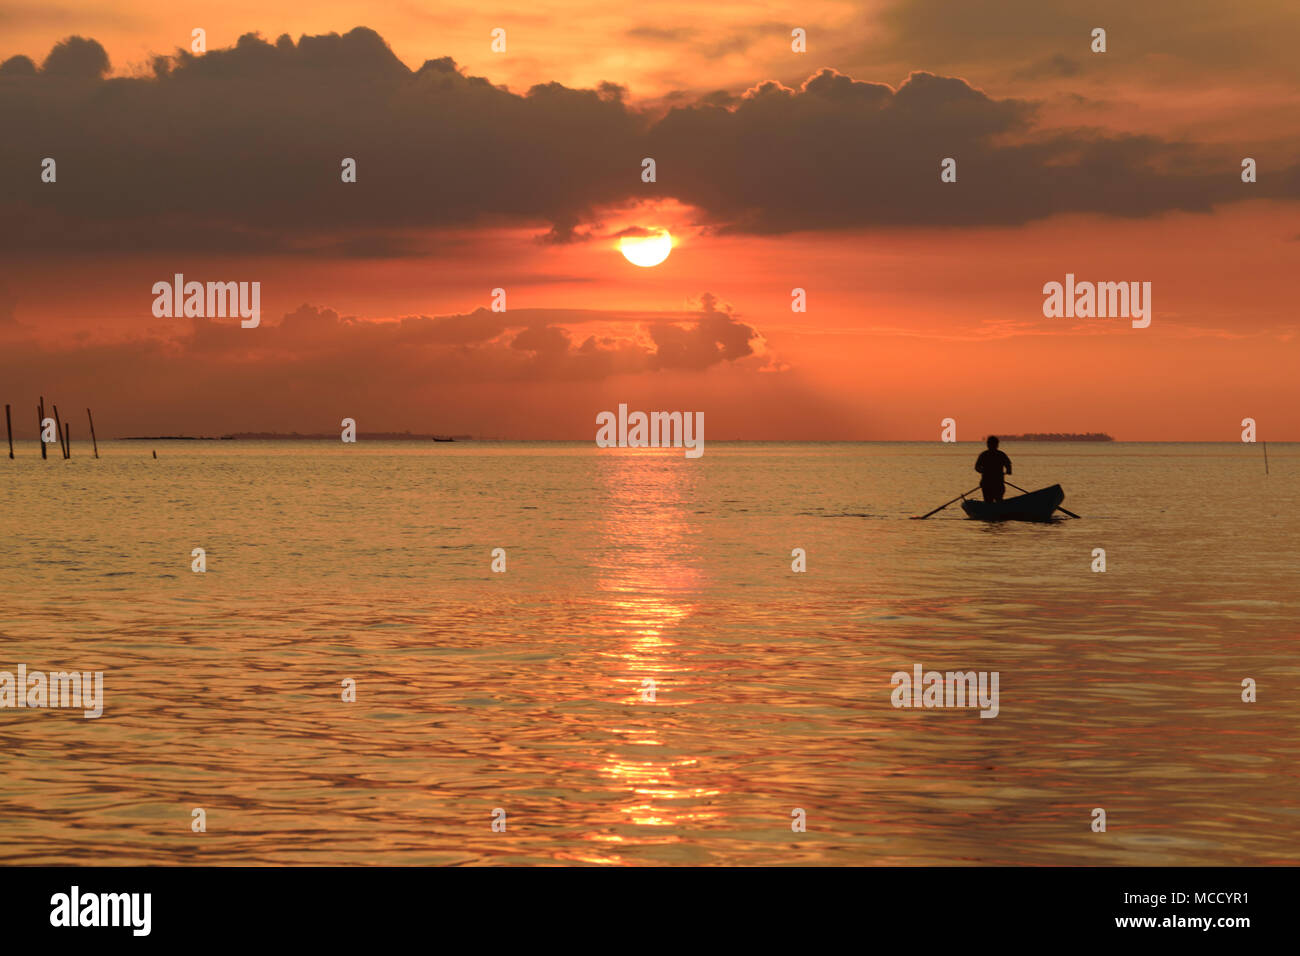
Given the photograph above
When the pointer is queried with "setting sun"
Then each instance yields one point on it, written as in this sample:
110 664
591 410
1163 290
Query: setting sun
646 251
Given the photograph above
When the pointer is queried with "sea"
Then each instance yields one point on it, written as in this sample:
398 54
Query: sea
479 653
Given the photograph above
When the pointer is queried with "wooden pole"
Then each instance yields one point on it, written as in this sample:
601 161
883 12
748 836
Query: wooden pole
40 425
58 430
67 441
93 441
9 427
11 454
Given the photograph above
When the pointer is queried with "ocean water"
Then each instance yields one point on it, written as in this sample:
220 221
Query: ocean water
523 691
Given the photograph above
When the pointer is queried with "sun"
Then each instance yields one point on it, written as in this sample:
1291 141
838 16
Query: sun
646 251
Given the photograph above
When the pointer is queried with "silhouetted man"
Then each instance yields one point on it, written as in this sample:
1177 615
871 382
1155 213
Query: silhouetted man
990 465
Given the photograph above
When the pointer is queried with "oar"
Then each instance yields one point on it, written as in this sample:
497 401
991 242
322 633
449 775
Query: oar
945 504
1058 507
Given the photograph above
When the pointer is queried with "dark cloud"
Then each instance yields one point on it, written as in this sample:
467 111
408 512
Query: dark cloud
713 44
472 328
18 66
240 150
655 34
43 14
715 337
480 346
1205 35
314 367
1053 66
242 147
76 58
843 153
548 339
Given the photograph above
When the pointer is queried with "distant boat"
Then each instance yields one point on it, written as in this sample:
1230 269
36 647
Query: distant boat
1032 506
436 438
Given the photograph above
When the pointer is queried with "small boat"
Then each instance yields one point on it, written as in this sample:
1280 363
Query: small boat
436 438
1031 506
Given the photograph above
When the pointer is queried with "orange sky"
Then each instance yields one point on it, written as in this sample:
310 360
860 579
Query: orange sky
919 308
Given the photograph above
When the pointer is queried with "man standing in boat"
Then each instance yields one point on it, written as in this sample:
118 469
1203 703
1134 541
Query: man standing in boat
990 465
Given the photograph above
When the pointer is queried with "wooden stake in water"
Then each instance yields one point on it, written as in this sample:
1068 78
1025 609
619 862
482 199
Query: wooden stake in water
67 441
40 425
1265 457
58 431
93 440
9 427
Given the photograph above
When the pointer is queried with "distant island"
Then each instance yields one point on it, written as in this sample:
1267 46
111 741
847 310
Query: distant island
1059 436
334 436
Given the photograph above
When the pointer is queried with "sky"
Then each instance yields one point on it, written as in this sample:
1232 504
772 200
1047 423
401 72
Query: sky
521 169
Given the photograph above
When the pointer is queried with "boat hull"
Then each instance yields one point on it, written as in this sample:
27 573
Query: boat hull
1035 506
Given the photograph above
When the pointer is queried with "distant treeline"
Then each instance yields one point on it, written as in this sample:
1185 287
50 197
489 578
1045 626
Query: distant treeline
1059 436
372 436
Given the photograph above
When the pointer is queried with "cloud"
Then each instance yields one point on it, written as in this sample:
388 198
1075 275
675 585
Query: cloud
18 66
654 34
239 151
248 142
479 346
715 337
843 153
1206 35
76 58
1057 65
545 340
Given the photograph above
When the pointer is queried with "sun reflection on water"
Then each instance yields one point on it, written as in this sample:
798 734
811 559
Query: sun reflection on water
650 577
